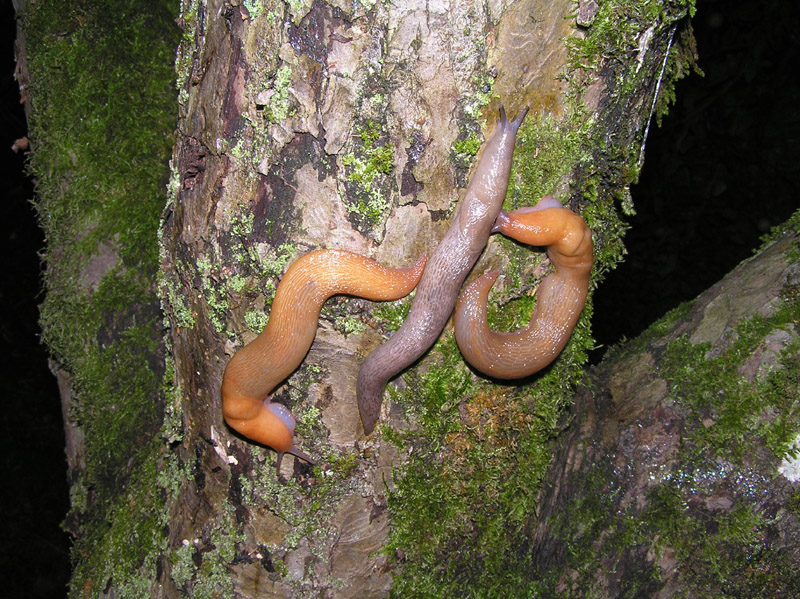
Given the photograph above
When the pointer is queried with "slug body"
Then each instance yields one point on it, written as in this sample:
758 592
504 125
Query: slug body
445 272
257 368
560 298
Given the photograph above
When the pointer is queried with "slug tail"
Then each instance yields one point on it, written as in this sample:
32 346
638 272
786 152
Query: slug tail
369 390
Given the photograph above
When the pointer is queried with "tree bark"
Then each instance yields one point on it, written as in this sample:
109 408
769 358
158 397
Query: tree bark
351 126
679 474
343 125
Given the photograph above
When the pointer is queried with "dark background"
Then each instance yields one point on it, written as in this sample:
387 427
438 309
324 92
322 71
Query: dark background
34 552
721 170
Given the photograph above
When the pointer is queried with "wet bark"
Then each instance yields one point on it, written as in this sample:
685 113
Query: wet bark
669 482
285 117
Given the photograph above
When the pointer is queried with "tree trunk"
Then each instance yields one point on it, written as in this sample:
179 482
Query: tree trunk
355 126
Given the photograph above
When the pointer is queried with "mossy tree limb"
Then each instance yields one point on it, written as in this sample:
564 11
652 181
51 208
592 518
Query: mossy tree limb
679 475
98 84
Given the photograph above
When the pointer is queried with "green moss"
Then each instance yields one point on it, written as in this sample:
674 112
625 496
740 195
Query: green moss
256 269
183 315
620 40
254 8
483 85
466 148
101 128
373 160
563 159
465 501
279 101
682 61
305 510
349 325
727 552
707 548
185 49
124 548
622 29
393 314
256 321
547 153
215 295
579 527
734 408
470 126
200 566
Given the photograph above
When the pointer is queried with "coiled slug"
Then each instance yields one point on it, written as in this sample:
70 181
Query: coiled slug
560 298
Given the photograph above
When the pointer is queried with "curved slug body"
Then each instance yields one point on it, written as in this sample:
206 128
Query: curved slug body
257 368
560 297
445 272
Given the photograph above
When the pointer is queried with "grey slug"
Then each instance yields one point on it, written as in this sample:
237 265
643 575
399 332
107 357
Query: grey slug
444 272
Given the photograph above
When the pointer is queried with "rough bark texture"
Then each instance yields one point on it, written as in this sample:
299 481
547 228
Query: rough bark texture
304 125
339 124
671 481
353 125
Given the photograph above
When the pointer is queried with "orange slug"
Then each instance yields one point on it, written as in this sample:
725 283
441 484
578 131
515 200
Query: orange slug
256 369
560 297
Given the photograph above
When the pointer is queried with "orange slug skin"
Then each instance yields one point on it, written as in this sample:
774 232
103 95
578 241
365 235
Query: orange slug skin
560 297
256 369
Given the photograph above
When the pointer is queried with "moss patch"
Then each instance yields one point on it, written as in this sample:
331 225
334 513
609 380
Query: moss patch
465 502
101 126
366 167
465 498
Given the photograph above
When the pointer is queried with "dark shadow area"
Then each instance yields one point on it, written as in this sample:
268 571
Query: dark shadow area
34 497
719 173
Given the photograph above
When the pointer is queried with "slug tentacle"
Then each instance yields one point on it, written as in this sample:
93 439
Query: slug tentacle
560 298
445 272
256 369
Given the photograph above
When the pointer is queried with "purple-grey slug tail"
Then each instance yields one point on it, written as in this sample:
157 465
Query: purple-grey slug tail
370 389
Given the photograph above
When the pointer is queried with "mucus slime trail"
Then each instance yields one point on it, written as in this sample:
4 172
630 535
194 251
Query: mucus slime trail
560 298
445 272
257 368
